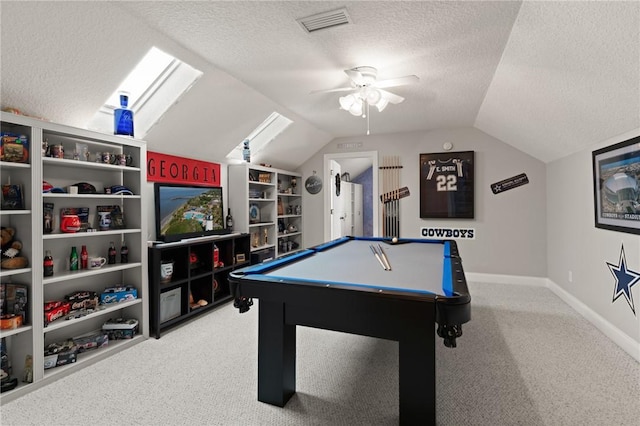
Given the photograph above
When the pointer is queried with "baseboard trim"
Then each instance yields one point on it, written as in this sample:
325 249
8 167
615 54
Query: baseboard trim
621 339
505 279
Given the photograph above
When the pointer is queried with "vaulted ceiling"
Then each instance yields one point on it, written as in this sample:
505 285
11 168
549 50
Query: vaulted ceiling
549 78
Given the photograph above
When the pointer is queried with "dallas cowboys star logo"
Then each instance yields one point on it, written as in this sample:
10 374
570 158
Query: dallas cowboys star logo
625 279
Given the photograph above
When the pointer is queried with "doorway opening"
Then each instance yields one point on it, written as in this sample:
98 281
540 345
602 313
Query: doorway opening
341 200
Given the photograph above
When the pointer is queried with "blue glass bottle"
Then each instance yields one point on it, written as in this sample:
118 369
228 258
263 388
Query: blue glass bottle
123 118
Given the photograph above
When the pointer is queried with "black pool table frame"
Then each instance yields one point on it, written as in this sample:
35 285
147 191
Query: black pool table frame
408 318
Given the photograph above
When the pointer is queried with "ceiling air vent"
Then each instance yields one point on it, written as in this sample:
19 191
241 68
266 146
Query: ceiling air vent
325 20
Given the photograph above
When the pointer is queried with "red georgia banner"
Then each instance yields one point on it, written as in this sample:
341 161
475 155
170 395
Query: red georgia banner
171 169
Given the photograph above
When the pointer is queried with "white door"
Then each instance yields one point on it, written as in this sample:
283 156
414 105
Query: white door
328 190
358 208
336 200
346 213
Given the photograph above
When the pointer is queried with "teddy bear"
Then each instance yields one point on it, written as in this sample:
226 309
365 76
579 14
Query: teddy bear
11 258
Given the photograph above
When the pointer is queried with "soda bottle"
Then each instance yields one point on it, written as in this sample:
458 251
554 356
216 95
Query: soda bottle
124 253
229 220
84 258
48 264
216 256
112 253
73 259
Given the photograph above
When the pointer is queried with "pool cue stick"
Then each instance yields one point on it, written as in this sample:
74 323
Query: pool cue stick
381 183
391 201
384 210
386 189
389 205
392 194
397 197
384 257
375 253
393 206
385 201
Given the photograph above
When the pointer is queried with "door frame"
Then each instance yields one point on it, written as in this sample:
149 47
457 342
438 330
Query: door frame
371 155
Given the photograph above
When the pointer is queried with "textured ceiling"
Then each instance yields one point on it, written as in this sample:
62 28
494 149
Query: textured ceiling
549 78
569 78
454 48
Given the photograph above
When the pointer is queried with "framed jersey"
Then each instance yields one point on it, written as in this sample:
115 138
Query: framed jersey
446 185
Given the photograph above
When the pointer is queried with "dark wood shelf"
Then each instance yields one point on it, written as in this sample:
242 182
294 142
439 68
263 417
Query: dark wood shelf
172 298
173 283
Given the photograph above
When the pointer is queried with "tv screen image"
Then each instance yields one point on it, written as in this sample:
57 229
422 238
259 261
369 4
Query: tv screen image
188 211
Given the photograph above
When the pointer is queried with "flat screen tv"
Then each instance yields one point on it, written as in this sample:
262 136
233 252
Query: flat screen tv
188 211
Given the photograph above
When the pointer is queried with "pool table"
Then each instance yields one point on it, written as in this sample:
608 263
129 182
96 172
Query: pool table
341 285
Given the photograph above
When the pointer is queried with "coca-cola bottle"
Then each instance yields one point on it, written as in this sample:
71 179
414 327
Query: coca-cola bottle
84 258
124 253
112 254
48 264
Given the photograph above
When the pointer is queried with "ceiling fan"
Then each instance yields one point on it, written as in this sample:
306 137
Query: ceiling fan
367 90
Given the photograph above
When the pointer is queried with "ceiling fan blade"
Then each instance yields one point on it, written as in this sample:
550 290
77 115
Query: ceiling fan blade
391 97
339 89
400 81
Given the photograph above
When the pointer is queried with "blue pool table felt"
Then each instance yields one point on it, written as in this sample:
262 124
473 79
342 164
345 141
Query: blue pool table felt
416 267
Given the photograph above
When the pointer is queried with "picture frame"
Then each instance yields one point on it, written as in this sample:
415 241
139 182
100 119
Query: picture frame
114 219
12 197
447 185
254 213
616 186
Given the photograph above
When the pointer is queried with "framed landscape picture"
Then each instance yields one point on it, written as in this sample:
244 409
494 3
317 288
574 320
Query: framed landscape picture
616 180
446 185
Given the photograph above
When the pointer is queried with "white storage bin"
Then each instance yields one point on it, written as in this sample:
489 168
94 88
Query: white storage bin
170 304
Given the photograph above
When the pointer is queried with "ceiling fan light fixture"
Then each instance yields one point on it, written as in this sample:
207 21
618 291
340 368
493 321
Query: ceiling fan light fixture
373 95
356 108
346 102
367 90
381 104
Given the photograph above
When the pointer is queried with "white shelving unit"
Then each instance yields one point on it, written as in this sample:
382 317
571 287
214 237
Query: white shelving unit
266 203
289 210
34 336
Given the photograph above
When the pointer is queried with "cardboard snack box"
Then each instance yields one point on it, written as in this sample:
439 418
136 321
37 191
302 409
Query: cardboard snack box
120 328
93 340
118 294
10 322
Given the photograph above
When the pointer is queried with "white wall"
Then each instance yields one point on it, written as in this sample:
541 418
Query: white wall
575 244
510 227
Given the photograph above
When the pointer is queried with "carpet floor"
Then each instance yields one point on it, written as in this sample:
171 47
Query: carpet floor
526 358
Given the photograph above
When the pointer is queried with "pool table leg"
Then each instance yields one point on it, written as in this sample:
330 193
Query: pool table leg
276 355
417 379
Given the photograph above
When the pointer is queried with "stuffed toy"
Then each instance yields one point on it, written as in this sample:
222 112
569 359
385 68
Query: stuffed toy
11 258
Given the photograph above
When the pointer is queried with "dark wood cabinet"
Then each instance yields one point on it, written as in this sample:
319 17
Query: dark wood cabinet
191 277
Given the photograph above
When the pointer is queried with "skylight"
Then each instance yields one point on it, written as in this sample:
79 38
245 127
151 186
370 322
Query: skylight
141 80
156 83
262 135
